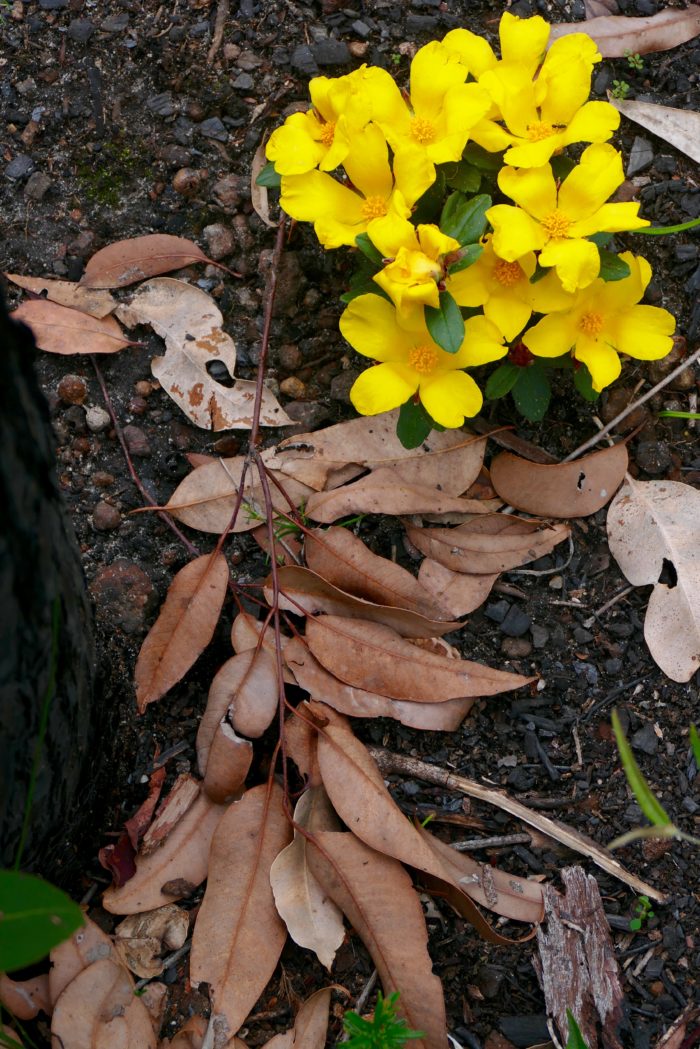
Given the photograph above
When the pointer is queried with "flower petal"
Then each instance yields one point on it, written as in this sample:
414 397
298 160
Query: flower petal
306 197
548 295
577 262
594 122
508 312
644 332
382 388
514 232
523 40
434 242
369 324
552 336
294 148
610 218
491 136
473 51
450 396
483 343
601 360
524 154
367 164
592 181
534 190
392 232
434 70
414 172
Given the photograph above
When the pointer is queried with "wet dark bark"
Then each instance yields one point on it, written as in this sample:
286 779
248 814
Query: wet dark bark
41 580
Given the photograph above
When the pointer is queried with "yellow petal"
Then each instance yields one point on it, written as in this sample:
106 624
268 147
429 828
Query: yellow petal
509 313
619 295
307 197
369 324
473 51
294 148
644 332
601 360
534 190
513 91
514 232
490 136
367 164
548 295
393 232
609 219
552 336
435 243
434 70
414 172
378 92
524 154
562 88
592 181
577 262
451 396
523 40
483 343
382 388
594 122
470 287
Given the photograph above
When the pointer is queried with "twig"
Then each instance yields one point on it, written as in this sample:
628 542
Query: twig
498 841
588 623
219 23
170 960
592 441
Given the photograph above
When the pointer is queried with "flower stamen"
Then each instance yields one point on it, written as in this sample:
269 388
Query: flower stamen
328 133
373 208
423 131
557 224
423 359
507 273
540 129
591 324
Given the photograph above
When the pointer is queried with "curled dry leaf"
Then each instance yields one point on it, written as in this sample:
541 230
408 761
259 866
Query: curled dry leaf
313 921
384 491
653 536
573 489
178 866
375 658
310 1027
258 194
128 261
89 944
88 300
24 999
183 629
99 1010
183 794
617 36
345 561
457 592
376 895
239 935
679 127
317 474
59 329
246 632
141 939
138 824
488 545
303 592
229 761
206 498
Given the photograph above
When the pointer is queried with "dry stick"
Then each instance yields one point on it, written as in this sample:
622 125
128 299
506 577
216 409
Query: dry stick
219 23
389 762
592 441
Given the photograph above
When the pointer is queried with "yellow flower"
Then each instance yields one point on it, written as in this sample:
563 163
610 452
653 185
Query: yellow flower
523 43
555 221
411 278
410 362
603 321
339 213
504 290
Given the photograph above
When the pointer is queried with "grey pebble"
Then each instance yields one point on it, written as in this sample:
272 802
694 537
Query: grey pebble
645 739
80 30
162 104
52 5
303 60
213 128
19 167
516 622
330 52
641 156
496 611
199 29
654 457
37 186
243 82
115 23
137 442
587 671
361 28
539 634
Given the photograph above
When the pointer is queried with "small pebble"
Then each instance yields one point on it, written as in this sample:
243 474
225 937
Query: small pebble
105 517
645 739
72 389
102 479
654 457
187 181
516 622
97 419
540 635
289 357
124 595
515 647
80 30
143 388
37 186
137 442
293 387
220 240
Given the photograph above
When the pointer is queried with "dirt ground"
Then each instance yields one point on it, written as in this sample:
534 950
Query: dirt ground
104 103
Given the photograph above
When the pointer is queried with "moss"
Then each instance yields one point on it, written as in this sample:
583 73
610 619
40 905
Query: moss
105 176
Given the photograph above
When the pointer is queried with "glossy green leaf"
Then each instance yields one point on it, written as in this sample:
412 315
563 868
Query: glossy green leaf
464 218
368 250
482 159
463 176
562 166
268 177
34 917
532 393
601 240
468 255
427 207
695 744
575 1039
646 799
502 381
583 382
414 424
612 267
446 323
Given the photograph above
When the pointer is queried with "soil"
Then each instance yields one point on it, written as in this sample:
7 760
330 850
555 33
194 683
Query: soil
105 101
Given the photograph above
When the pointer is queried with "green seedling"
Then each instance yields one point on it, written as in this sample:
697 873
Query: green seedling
575 1039
695 745
384 1030
642 912
620 89
668 413
634 60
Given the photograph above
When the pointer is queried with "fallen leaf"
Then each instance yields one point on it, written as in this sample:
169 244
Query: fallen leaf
313 921
458 592
88 300
488 545
246 632
239 936
375 658
155 997
24 999
653 536
179 864
617 35
137 826
593 8
300 741
184 628
183 794
89 944
344 560
376 895
303 592
675 1037
119 859
128 261
58 329
313 472
310 1027
287 548
99 1010
384 491
679 127
141 939
190 1036
228 763
259 196
573 489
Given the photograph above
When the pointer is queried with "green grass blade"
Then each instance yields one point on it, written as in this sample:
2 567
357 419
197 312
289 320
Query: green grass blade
648 802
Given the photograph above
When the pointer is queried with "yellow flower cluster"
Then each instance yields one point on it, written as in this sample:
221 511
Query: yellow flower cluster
441 291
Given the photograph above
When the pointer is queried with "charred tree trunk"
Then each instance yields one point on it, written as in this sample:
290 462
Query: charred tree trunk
46 658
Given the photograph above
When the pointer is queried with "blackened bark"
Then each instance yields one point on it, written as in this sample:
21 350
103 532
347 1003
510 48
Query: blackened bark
40 571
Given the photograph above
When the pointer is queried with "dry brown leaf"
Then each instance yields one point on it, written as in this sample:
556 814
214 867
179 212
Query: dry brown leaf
89 944
246 632
99 1010
457 592
356 702
183 629
653 532
88 300
287 548
303 592
573 489
141 939
344 560
190 1036
617 35
155 997
183 794
228 763
23 999
310 1026
206 498
128 261
258 194
175 869
488 545
58 329
375 658
317 474
312 920
679 127
376 895
300 740
239 936
384 491
593 8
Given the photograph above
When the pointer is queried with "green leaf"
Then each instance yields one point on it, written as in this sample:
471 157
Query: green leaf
8 1042
575 1039
446 323
612 267
647 800
385 1030
532 393
562 166
635 924
502 381
584 383
467 257
481 158
34 917
464 218
463 176
601 240
414 424
695 744
540 272
368 249
269 177
428 206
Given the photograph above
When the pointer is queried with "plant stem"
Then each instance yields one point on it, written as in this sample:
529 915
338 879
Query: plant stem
660 231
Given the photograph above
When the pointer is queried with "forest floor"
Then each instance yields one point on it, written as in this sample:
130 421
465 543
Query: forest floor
103 102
